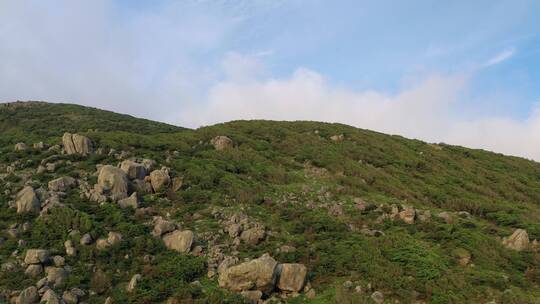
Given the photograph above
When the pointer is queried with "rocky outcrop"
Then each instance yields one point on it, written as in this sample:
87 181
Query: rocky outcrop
257 274
113 181
519 240
62 184
178 240
291 277
133 170
27 201
77 144
159 179
221 143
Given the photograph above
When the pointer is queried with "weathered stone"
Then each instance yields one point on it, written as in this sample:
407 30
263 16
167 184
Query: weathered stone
227 262
519 240
177 183
133 170
114 181
39 145
446 217
28 296
291 277
221 143
234 230
407 215
159 179
462 255
178 240
27 201
34 270
253 236
59 261
162 227
86 239
339 137
62 184
20 146
256 274
133 283
113 238
70 249
377 297
36 256
56 276
129 202
69 297
252 296
77 144
50 297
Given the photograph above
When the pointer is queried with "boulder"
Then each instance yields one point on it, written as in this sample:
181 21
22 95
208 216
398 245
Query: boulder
129 202
28 296
36 256
253 236
252 296
69 297
20 146
338 137
133 283
34 270
70 249
377 297
56 276
519 240
50 297
291 277
112 239
407 214
27 201
159 179
86 239
133 170
221 143
113 181
62 184
162 227
446 217
39 145
77 144
178 240
256 274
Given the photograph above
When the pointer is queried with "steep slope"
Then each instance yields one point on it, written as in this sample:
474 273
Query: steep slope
370 215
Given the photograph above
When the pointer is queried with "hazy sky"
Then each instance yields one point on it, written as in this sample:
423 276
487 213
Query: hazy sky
460 72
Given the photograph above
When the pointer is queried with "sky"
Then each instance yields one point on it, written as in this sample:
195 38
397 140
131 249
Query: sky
459 72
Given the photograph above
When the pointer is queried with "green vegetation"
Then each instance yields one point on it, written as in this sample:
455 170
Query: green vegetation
291 177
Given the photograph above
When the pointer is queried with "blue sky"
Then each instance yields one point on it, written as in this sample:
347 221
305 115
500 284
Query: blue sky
462 72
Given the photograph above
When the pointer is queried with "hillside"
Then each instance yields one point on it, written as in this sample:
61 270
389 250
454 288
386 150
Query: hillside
373 218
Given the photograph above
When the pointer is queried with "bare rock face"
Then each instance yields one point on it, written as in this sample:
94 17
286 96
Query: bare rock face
221 143
28 296
292 277
113 181
77 144
62 184
133 170
257 274
178 240
36 256
519 240
160 179
27 201
407 215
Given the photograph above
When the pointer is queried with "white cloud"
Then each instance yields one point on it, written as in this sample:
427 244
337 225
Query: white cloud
500 57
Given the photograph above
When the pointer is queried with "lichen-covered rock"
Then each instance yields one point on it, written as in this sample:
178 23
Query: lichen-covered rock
178 240
221 143
133 170
257 274
62 184
77 144
27 201
291 277
519 240
36 256
159 179
114 181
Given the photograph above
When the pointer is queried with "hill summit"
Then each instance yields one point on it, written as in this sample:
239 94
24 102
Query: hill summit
99 207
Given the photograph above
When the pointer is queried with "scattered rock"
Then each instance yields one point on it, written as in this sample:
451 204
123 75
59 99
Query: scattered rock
114 181
133 283
28 296
377 297
162 227
291 277
159 179
129 202
50 297
77 144
27 201
339 137
62 184
221 143
446 216
56 276
86 239
519 240
34 270
256 274
178 240
36 256
133 170
20 146
70 249
253 236
407 215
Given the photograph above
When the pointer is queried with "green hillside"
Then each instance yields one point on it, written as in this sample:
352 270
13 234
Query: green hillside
365 212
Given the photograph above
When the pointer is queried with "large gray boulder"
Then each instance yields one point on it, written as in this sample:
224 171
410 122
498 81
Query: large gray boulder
62 184
257 274
113 181
178 240
50 297
291 277
27 201
129 202
133 170
163 226
159 179
56 276
77 144
36 256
